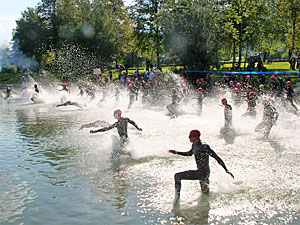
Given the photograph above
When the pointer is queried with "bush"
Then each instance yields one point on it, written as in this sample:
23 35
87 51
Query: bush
9 69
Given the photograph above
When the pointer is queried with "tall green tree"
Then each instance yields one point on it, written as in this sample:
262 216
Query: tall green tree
65 27
31 34
286 14
245 23
192 32
147 30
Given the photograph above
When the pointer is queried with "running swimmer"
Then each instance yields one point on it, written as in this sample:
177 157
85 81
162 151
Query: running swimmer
36 93
289 94
121 126
36 89
132 95
81 91
172 108
228 116
65 88
201 153
8 91
270 116
251 100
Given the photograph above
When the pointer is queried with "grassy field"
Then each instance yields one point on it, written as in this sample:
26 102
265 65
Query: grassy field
271 67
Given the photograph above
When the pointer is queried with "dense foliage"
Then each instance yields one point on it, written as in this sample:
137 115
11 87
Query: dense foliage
75 36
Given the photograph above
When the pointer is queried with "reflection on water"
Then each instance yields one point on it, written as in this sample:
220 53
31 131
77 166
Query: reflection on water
14 196
51 171
196 213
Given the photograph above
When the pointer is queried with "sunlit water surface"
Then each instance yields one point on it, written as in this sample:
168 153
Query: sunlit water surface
51 172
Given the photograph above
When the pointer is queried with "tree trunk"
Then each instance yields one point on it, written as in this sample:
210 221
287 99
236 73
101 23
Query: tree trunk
240 46
293 34
157 47
241 35
233 54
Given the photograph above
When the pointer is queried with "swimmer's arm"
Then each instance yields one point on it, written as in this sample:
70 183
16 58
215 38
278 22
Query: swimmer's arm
189 153
220 161
97 123
134 124
103 129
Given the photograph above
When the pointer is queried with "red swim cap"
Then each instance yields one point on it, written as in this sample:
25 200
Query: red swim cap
224 100
195 134
118 112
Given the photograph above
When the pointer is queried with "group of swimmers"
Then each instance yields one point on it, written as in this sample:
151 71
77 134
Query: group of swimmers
199 150
250 90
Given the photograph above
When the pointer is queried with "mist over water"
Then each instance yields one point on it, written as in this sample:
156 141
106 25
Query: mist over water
52 171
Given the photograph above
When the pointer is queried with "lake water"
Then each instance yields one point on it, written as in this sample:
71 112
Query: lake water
53 173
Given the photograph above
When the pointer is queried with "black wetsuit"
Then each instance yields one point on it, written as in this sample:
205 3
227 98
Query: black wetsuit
173 106
81 92
251 106
201 153
69 103
36 90
121 126
228 116
8 91
289 96
132 96
270 116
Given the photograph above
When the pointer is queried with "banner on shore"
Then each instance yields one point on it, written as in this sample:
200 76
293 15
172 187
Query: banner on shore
97 71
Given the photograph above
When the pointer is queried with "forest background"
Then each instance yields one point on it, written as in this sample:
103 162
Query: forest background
70 38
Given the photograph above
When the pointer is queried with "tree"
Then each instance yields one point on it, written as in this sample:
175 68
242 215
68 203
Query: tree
245 23
72 26
147 31
31 32
286 14
192 32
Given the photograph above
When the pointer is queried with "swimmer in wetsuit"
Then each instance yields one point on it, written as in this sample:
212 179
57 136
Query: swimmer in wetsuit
36 93
201 153
65 88
121 126
8 91
289 94
132 95
227 115
69 103
172 108
251 100
269 119
36 89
